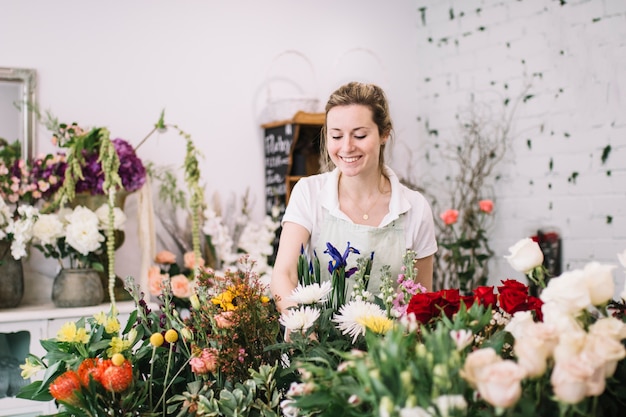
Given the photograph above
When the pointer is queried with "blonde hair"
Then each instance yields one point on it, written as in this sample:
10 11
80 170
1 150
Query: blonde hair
369 95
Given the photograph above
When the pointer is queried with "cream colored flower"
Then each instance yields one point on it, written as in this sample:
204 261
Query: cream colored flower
30 368
462 338
569 379
475 364
599 280
610 327
500 383
47 229
525 255
445 404
569 291
531 356
119 217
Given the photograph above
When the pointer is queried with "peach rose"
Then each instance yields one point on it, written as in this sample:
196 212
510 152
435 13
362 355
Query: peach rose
531 356
155 280
449 216
569 379
181 286
165 257
475 364
224 320
500 383
190 260
485 206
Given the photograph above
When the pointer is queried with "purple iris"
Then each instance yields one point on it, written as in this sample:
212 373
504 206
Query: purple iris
338 260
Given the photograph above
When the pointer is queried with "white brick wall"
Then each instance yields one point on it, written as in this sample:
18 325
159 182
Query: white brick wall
574 53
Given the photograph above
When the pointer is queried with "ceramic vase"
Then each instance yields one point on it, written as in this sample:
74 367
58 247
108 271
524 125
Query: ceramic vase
77 288
11 277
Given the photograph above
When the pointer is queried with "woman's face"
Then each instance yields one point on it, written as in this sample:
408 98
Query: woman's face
352 139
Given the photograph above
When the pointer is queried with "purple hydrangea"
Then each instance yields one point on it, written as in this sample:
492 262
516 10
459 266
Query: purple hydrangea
131 171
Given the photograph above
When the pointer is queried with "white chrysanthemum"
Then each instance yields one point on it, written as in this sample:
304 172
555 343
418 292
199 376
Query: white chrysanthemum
119 217
352 317
311 294
47 229
299 319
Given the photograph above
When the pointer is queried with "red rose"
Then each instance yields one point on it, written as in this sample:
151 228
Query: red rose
513 296
485 296
535 304
450 301
422 306
449 216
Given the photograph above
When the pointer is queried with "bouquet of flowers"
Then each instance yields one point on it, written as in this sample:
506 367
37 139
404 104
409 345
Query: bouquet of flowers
75 237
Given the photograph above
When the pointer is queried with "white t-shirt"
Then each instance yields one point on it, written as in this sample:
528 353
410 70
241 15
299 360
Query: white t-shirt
315 196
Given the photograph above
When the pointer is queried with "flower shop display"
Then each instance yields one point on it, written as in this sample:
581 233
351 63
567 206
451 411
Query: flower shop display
25 186
393 351
76 238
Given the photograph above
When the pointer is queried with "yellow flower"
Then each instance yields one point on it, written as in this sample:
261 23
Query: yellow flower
69 333
112 325
30 368
100 318
377 324
118 345
225 300
265 299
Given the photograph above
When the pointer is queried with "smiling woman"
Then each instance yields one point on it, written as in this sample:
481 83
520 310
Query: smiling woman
17 94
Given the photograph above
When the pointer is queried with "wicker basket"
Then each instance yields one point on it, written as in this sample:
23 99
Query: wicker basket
285 107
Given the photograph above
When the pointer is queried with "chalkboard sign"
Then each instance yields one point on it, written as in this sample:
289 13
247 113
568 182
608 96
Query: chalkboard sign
278 141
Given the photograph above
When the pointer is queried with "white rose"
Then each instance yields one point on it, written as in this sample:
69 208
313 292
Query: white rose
476 363
119 217
562 321
599 280
445 404
500 383
47 229
519 323
82 215
605 351
531 355
569 379
525 255
611 327
570 345
569 291
84 237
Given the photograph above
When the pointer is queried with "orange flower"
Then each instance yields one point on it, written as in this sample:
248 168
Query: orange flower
87 370
449 216
64 387
165 257
116 378
190 260
486 206
181 286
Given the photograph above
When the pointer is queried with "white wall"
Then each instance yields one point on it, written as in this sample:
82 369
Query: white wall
574 53
118 63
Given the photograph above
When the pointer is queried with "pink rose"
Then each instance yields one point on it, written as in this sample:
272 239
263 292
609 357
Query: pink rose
569 379
500 383
165 257
198 366
190 260
155 280
449 216
224 320
181 286
209 357
485 206
475 364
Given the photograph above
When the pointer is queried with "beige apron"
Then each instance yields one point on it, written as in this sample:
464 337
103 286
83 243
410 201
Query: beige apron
387 243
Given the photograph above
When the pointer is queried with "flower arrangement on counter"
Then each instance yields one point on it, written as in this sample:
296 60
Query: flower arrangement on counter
496 352
75 237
